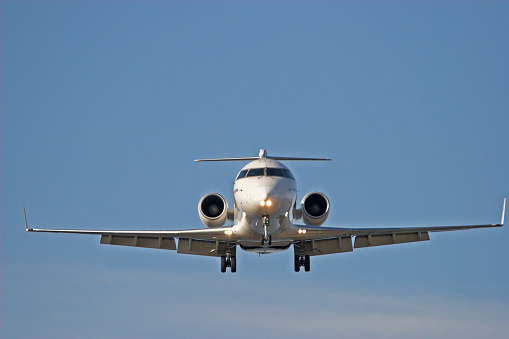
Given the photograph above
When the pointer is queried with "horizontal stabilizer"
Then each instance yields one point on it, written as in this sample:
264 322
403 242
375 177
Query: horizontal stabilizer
263 155
299 159
229 159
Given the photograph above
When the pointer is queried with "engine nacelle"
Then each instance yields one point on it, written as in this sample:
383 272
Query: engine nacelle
213 210
315 209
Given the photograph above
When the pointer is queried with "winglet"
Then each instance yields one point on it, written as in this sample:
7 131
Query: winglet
26 223
503 214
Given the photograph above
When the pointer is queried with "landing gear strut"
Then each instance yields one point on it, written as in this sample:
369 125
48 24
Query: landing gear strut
228 260
266 236
302 261
267 239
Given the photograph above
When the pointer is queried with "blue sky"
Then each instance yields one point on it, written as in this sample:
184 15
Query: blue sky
104 106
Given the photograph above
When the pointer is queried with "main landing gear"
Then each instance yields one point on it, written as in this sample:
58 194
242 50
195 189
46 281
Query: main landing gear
302 261
228 261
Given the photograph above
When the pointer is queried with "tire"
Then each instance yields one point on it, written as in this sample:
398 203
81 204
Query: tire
233 264
307 263
297 263
223 264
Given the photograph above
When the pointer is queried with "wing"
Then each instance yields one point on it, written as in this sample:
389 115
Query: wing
326 240
208 242
205 241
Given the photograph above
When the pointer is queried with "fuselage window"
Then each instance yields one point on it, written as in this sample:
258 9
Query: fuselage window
275 172
256 172
242 174
288 174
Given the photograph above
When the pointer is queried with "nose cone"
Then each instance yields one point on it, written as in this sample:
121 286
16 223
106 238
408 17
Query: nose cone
261 195
262 200
265 195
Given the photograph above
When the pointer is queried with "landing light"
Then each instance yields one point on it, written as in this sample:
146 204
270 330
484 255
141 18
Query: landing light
267 203
228 232
301 231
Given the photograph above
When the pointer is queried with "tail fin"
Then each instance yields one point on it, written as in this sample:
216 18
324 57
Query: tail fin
263 155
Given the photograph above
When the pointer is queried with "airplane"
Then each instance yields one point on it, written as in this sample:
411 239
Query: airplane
264 217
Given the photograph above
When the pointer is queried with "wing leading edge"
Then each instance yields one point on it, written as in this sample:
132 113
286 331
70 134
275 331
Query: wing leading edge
325 232
209 242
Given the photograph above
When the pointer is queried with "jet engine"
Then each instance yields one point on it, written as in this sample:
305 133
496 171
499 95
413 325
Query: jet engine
315 209
213 210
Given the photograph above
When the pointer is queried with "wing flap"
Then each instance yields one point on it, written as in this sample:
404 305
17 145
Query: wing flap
324 246
389 239
203 247
166 243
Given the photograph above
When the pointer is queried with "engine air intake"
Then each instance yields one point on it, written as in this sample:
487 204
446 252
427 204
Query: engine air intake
213 210
315 209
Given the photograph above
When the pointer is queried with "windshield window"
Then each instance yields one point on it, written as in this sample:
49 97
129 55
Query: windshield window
275 172
242 174
288 174
256 172
271 172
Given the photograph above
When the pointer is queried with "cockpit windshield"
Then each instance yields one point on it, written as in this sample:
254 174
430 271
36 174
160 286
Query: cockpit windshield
288 174
256 172
275 172
264 171
242 174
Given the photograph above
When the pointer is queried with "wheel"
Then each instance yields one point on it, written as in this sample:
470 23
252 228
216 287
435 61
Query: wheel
307 263
263 241
270 240
233 264
297 263
223 264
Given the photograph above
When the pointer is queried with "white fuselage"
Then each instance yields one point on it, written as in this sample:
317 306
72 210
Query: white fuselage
265 195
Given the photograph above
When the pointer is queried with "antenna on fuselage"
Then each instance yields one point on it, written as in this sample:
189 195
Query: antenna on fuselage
263 155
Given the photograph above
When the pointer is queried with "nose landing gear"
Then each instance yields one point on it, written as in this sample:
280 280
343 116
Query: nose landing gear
266 236
266 239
